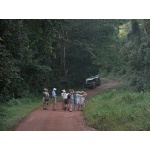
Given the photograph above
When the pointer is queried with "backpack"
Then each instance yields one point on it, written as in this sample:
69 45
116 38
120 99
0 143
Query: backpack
46 96
68 96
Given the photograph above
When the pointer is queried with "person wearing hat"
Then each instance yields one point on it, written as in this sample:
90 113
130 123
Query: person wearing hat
81 101
67 97
63 96
54 98
45 98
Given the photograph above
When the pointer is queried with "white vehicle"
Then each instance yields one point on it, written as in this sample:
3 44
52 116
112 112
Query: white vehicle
92 82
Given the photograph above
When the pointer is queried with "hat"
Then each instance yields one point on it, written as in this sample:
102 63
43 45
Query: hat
64 90
54 89
45 89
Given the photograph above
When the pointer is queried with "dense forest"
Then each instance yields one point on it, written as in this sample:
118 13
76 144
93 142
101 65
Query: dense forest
61 53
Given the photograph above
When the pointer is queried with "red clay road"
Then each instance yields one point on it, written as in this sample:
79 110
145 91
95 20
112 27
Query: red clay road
60 120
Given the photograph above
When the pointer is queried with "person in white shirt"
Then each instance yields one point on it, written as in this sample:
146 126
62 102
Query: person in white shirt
63 96
82 100
67 97
85 95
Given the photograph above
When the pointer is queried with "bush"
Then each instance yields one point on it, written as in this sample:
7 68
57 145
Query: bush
13 102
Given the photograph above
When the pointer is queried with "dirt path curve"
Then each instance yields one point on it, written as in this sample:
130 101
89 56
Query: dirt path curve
60 120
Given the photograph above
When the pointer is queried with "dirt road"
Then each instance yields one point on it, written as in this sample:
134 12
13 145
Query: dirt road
60 120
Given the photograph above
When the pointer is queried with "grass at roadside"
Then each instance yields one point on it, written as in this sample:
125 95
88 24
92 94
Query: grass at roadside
16 109
13 111
119 110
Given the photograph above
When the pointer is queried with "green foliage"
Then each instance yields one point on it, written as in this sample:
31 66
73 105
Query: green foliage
25 57
135 54
62 53
117 110
9 76
14 110
52 53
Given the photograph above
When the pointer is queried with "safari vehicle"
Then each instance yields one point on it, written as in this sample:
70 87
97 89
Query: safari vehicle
92 82
97 80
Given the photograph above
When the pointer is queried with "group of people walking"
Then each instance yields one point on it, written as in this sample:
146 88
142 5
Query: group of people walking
71 101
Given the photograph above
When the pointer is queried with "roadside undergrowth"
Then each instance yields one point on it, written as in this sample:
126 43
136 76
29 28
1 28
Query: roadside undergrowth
118 110
13 111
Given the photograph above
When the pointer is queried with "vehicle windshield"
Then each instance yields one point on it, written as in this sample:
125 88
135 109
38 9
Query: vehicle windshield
89 81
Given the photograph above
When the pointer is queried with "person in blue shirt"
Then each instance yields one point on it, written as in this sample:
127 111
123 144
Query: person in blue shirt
54 98
75 100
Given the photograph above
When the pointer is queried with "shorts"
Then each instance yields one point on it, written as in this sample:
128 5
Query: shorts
54 99
45 102
66 101
78 100
71 101
75 101
81 102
